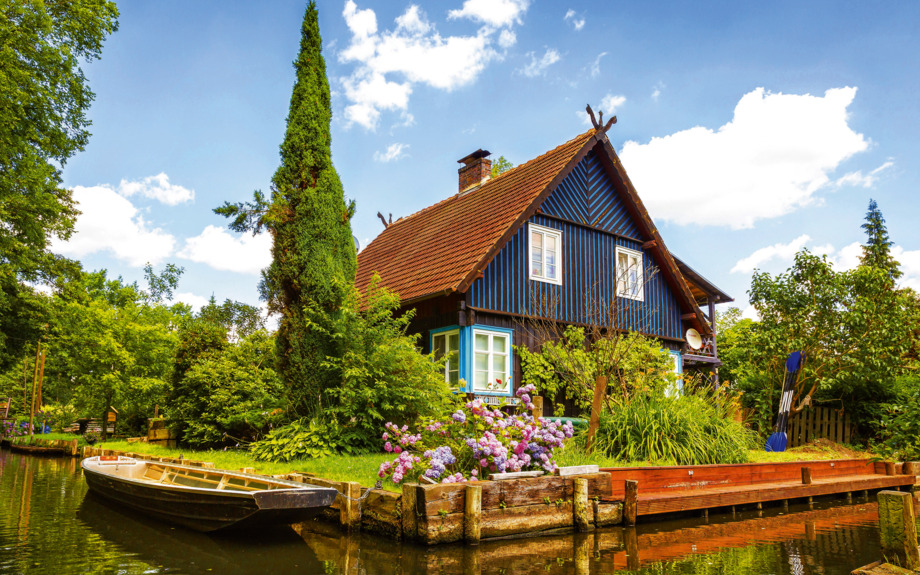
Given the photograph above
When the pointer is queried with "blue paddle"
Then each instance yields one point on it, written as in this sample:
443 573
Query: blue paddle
777 441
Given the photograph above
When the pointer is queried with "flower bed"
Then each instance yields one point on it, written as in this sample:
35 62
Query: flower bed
475 441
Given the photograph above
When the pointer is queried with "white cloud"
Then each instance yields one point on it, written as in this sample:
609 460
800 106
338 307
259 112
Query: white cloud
596 66
495 13
847 258
577 23
222 250
782 252
110 223
538 66
910 266
656 93
858 179
196 302
390 62
773 157
610 103
393 152
157 188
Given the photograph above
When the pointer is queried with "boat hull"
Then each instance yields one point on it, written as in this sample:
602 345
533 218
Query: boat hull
210 509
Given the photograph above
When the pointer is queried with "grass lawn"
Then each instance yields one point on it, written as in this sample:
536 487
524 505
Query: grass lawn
360 468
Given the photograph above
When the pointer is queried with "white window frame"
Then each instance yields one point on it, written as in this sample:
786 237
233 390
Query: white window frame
677 360
621 277
490 377
545 232
448 366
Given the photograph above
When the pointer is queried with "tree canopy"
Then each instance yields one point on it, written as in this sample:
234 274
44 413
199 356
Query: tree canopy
313 254
44 98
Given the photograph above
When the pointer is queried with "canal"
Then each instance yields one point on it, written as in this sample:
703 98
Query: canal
49 524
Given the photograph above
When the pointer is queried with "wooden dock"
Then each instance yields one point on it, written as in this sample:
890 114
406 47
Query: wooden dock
701 487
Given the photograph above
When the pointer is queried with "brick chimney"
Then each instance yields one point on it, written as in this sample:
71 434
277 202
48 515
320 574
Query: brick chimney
477 168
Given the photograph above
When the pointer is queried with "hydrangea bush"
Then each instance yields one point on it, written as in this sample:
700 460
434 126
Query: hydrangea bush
474 441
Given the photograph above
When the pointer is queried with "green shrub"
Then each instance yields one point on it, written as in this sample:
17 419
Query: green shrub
301 439
900 430
693 429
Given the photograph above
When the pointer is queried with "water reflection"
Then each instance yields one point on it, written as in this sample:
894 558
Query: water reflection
48 524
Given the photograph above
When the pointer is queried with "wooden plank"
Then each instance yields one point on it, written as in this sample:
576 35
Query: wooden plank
577 470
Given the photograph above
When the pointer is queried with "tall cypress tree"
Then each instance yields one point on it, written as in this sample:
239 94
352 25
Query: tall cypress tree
313 254
877 251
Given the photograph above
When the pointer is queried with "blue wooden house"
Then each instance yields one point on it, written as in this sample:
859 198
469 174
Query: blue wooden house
558 238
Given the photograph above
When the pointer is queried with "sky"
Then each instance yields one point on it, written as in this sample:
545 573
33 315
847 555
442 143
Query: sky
750 130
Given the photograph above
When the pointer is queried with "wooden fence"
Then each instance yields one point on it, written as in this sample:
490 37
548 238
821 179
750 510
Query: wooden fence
819 422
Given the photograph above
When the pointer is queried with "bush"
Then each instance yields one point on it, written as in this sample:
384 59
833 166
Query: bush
693 429
474 440
239 394
900 430
301 439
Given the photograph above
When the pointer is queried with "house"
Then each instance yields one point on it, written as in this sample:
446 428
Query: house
554 239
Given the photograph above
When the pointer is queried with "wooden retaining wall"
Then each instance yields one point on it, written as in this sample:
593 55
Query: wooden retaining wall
442 513
66 447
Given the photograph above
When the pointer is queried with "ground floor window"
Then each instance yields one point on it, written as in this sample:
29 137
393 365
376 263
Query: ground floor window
678 362
491 361
447 344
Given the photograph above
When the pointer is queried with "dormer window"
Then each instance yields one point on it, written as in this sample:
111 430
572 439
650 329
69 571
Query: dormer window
630 281
545 254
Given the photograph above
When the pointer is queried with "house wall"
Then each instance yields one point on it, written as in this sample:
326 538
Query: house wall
588 287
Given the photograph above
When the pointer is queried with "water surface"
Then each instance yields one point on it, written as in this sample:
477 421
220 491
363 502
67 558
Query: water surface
50 524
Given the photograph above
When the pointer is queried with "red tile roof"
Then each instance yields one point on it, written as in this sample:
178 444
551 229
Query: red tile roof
440 248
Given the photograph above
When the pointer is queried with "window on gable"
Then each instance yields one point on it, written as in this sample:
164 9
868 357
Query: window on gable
491 361
447 343
545 254
630 281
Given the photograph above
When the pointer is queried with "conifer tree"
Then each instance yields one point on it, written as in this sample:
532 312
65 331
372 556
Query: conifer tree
313 254
877 251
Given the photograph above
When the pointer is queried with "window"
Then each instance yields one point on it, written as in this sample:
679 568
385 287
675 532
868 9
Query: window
448 343
629 274
678 386
545 254
491 361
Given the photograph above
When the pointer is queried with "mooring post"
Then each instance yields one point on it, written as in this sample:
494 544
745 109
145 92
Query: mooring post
806 475
350 513
409 518
537 406
582 555
631 502
472 514
898 527
582 523
889 468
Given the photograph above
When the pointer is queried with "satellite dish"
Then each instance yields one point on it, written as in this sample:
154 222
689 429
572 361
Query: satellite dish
694 340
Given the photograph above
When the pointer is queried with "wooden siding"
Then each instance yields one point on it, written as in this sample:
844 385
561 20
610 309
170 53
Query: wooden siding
588 284
587 196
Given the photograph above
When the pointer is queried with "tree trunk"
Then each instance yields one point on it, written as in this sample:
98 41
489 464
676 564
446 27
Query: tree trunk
600 391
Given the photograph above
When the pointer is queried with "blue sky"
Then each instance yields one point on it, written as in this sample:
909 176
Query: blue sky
749 129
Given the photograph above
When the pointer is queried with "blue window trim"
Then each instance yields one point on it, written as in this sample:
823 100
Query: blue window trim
466 358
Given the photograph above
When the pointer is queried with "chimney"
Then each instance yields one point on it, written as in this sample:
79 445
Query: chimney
477 168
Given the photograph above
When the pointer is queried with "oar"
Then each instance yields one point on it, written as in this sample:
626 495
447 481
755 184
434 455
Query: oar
777 441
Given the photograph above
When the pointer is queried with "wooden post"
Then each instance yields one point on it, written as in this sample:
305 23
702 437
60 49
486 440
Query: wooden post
582 523
911 468
409 518
898 527
631 543
582 555
349 514
806 475
537 406
472 514
38 351
600 391
889 468
631 502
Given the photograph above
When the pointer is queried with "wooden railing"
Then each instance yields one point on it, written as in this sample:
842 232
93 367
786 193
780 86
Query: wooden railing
819 422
